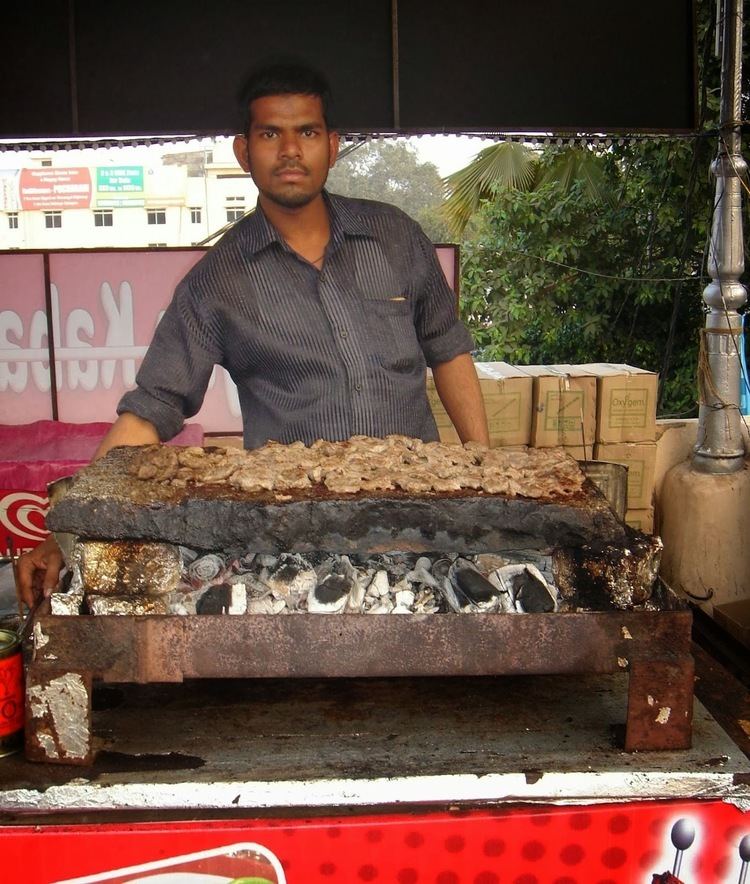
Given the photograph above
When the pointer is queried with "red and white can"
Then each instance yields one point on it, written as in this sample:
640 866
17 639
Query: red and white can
11 693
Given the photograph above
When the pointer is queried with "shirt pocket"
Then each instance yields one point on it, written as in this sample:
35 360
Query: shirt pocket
393 337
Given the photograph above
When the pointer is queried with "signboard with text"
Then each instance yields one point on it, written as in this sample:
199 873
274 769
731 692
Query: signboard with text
119 179
119 187
52 189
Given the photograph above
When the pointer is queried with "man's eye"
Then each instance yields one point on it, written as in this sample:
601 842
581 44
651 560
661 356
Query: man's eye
308 133
268 135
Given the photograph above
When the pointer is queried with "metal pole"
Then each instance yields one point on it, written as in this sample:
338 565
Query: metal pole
720 447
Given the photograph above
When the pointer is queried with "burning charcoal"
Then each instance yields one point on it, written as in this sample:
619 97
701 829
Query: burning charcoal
330 595
526 588
474 586
266 561
244 563
395 564
207 570
440 568
187 556
467 590
292 578
421 576
215 600
532 593
336 579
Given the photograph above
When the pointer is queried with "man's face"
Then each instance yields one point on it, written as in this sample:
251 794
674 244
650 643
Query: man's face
288 150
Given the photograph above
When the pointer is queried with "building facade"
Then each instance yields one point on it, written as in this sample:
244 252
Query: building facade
152 196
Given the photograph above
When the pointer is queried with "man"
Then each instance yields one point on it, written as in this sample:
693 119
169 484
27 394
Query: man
324 310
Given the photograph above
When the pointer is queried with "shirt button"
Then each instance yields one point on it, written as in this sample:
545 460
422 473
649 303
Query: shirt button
344 333
358 387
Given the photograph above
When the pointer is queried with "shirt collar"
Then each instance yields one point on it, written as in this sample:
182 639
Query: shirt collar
260 232
344 222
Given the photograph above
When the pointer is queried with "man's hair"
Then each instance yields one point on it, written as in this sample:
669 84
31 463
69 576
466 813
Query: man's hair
286 78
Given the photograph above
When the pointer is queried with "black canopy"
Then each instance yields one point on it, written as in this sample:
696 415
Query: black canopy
85 68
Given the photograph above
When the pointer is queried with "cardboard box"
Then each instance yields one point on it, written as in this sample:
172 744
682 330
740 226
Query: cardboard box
506 392
626 403
640 459
579 452
563 406
641 520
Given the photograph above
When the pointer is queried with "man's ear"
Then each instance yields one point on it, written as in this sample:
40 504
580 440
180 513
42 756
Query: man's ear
333 148
241 154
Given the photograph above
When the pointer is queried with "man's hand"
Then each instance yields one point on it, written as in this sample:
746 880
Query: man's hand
38 571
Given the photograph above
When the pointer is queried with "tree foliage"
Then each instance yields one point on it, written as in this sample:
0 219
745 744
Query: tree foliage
391 171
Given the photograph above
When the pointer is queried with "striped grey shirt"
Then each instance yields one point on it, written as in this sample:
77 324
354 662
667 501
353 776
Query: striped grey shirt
315 354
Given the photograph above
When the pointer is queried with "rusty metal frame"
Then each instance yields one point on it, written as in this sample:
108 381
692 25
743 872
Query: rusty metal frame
653 647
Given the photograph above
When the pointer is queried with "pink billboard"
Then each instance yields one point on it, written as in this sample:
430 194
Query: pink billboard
105 307
24 364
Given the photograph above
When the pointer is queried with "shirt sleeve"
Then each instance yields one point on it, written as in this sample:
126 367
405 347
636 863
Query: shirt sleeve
441 333
174 375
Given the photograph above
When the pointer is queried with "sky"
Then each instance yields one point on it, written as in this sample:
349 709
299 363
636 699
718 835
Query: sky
448 152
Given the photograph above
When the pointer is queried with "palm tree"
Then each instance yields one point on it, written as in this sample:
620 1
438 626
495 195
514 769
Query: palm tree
511 165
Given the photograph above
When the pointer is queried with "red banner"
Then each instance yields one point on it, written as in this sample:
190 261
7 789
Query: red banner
52 188
599 844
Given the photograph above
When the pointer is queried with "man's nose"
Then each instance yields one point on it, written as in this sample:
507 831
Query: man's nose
290 145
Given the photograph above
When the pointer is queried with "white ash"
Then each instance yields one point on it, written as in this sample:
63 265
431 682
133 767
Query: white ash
394 583
244 582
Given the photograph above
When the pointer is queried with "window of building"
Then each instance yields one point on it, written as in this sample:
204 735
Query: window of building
195 216
157 245
236 199
235 214
13 220
103 218
46 163
157 216
53 219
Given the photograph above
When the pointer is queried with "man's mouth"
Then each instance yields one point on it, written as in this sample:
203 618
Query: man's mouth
291 173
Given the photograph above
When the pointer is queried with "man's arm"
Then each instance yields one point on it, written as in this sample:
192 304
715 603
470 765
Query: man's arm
38 571
128 429
458 387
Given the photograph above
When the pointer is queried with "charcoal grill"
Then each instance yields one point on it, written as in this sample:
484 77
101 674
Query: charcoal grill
651 646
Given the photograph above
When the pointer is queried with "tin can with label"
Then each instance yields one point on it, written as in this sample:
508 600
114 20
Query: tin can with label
11 693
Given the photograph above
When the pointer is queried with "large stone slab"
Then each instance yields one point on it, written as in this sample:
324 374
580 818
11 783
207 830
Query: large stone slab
105 502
